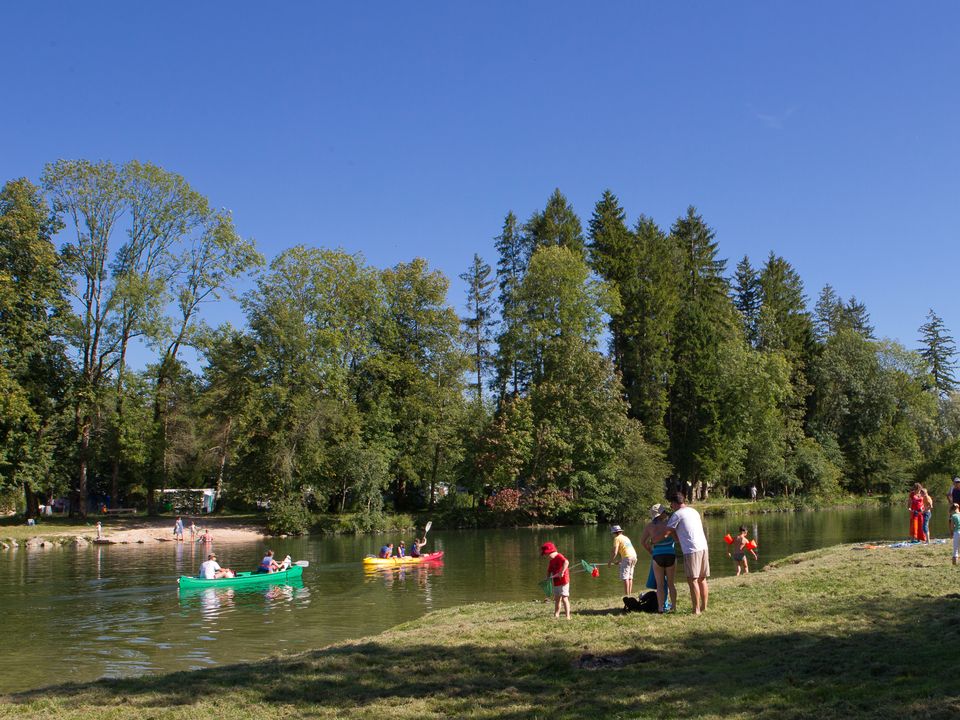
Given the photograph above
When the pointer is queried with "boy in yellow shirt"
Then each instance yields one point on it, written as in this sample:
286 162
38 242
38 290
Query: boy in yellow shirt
623 548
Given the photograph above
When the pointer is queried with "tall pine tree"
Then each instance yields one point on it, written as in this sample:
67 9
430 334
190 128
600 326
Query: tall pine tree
939 352
479 323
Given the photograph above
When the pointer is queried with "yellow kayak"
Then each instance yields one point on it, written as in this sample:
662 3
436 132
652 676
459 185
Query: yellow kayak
429 557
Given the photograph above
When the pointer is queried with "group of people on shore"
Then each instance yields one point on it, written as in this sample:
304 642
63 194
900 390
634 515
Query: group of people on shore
195 533
680 524
920 507
386 552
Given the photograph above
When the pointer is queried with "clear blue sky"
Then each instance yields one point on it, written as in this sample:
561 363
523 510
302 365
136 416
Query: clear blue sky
824 131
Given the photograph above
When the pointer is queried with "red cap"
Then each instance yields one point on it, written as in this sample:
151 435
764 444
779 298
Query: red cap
547 548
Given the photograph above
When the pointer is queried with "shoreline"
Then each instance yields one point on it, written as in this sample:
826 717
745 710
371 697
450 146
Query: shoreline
787 629
126 531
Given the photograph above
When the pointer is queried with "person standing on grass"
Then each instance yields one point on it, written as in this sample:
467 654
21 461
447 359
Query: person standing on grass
953 497
927 512
915 507
955 524
663 556
687 527
623 548
739 549
558 570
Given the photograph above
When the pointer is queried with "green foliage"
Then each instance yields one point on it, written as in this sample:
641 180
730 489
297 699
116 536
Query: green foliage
939 352
288 515
353 386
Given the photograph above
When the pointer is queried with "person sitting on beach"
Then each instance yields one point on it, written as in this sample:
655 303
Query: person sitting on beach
211 570
206 537
386 552
268 564
739 549
416 546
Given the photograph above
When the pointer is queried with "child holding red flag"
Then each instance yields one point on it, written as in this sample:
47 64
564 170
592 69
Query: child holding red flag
558 570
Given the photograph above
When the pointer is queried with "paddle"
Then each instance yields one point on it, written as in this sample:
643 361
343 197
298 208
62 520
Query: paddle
427 529
302 563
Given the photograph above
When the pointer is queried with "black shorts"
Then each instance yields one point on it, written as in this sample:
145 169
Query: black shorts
665 561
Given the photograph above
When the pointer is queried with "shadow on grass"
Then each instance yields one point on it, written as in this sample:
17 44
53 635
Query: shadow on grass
894 661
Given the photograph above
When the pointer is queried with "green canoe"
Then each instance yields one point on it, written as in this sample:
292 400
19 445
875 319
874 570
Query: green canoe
243 579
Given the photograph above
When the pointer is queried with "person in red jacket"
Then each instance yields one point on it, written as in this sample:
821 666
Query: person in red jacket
915 506
558 570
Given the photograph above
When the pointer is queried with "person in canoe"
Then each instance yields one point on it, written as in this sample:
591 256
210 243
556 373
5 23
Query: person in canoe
386 552
211 570
402 550
268 564
416 546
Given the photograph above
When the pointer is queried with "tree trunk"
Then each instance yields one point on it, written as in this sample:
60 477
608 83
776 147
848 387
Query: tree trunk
433 474
31 502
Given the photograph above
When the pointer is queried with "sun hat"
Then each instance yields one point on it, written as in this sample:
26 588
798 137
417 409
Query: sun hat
657 510
956 479
547 548
615 529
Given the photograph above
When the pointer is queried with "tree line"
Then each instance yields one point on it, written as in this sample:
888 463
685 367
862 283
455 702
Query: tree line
593 368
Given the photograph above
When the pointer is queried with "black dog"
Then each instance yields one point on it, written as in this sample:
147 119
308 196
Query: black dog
647 602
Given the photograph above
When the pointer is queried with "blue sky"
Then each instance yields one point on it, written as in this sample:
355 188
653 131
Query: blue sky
826 132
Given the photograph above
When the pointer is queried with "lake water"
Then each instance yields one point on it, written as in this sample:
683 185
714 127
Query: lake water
112 611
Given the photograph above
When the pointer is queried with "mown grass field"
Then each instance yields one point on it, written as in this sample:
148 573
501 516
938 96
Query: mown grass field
841 632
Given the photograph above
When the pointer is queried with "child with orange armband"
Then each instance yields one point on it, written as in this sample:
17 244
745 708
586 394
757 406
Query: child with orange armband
739 547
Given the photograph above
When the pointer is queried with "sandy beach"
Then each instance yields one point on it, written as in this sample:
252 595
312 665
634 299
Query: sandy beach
133 530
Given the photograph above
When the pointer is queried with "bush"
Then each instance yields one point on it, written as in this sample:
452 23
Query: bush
288 515
511 506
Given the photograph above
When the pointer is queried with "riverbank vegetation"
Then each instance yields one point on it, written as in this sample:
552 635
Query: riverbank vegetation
593 367
841 632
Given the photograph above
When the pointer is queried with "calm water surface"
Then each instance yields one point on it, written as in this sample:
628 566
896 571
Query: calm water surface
113 611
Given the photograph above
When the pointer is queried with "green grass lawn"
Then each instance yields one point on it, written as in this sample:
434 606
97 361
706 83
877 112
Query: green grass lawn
829 634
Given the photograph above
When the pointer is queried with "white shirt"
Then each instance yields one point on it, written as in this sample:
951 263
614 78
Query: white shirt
208 569
686 521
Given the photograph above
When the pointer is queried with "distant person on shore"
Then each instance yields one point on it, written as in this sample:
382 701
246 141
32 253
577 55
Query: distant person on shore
687 527
915 507
386 552
663 556
927 512
753 492
955 524
99 531
205 537
623 548
211 570
193 531
268 564
178 529
739 549
558 570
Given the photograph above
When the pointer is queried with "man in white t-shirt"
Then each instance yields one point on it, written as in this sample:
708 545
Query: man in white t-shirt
211 570
687 527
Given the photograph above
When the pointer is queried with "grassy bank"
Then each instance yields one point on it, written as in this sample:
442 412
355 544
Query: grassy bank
735 506
833 633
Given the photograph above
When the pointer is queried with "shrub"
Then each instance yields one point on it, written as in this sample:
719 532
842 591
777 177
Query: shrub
288 515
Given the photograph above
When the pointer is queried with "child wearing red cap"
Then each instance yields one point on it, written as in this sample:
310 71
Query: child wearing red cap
558 570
